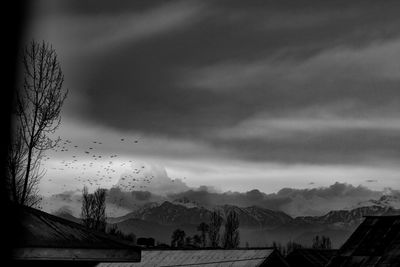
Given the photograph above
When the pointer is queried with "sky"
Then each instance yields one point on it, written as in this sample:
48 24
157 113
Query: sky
234 95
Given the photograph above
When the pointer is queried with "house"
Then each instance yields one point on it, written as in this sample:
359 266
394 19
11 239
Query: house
207 257
310 257
48 240
375 243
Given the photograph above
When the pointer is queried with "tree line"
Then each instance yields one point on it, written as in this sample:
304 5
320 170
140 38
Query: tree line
210 233
94 217
318 242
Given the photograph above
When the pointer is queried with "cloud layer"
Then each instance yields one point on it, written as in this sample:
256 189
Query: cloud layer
313 84
295 202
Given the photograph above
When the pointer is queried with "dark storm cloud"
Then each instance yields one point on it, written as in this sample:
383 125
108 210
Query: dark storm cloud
331 147
230 61
93 7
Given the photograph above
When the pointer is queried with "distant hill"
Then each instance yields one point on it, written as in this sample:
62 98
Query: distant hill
258 226
347 217
167 214
256 217
175 214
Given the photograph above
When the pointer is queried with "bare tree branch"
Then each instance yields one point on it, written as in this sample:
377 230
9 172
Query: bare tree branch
93 211
38 109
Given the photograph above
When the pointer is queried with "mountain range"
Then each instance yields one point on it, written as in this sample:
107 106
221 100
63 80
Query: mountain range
169 213
258 226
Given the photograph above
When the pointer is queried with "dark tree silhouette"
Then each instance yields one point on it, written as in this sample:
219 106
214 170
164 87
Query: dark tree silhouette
214 228
323 242
188 241
15 170
197 240
113 230
37 111
146 241
231 237
279 247
203 228
93 211
178 238
291 246
286 250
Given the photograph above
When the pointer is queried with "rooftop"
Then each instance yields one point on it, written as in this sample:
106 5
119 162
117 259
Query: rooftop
205 257
43 236
310 257
376 242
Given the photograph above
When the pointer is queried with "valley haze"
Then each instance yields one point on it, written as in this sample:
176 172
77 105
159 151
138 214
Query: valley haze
262 217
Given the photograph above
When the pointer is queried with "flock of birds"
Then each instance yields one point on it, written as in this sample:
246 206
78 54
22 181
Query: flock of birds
97 168
91 164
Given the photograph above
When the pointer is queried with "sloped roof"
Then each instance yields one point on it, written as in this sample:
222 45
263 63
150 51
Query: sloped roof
202 257
45 236
376 242
310 257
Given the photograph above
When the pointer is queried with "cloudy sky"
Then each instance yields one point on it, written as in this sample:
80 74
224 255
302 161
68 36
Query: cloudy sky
231 94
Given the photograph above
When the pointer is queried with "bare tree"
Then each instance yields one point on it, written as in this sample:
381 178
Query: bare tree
188 241
214 228
231 234
15 172
99 209
38 108
196 240
14 167
321 242
93 211
178 238
279 247
86 210
203 228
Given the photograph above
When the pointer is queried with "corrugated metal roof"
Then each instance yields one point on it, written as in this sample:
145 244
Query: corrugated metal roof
41 229
206 257
376 242
45 236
